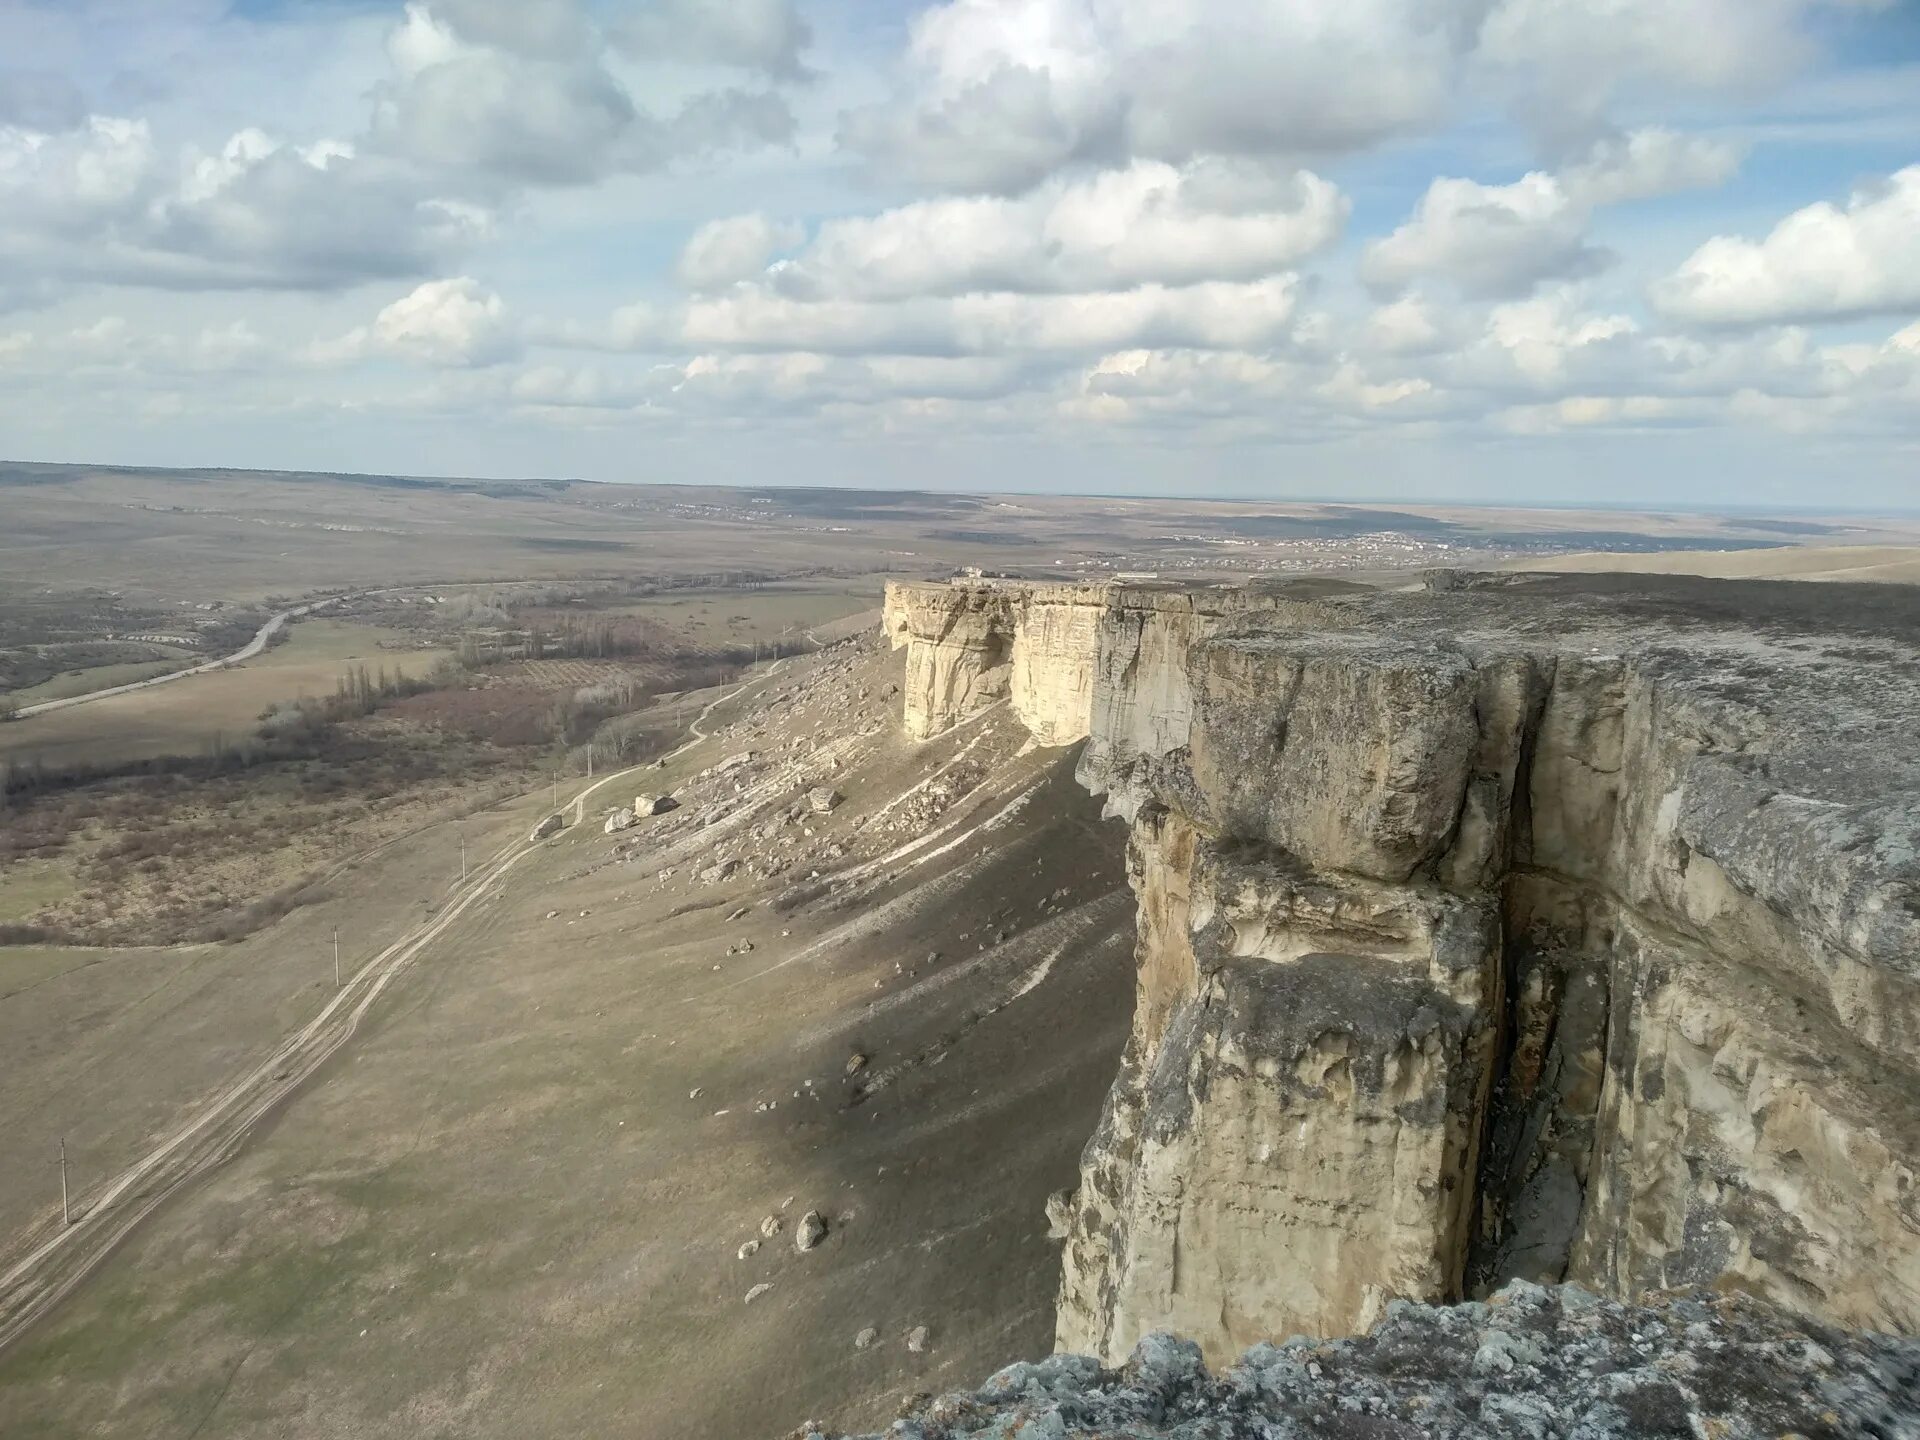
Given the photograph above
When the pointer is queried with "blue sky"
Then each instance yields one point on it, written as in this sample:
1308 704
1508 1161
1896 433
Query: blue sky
1615 251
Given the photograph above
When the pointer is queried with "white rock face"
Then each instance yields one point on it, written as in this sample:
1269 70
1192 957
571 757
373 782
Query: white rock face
1552 929
970 646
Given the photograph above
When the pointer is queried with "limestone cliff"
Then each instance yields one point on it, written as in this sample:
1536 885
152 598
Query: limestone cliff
1549 928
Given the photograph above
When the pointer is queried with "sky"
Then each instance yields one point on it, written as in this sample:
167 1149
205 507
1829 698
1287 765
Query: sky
1659 253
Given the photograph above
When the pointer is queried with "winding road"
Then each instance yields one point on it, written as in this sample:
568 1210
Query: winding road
45 1263
261 638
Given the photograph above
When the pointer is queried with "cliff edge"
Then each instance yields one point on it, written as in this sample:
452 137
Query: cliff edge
1539 928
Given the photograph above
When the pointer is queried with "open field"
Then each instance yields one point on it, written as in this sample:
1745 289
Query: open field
98 677
1891 564
188 717
717 618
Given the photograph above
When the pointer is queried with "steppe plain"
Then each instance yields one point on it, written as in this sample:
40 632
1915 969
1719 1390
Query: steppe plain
513 1200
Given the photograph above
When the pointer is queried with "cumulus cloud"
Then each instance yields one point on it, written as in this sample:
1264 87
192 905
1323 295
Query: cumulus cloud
1649 162
764 35
1820 263
101 202
1490 240
455 322
528 97
1495 241
998 94
1149 223
1218 315
722 252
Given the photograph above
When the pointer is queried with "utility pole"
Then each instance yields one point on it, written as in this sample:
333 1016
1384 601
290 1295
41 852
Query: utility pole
66 1205
336 957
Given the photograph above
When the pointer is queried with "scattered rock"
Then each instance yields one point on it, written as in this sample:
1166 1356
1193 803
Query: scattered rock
824 801
747 1250
694 1094
811 1230
757 1291
717 872
619 820
864 1340
917 1339
856 1062
770 1226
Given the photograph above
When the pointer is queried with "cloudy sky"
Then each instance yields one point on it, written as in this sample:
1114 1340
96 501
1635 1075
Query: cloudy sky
1631 251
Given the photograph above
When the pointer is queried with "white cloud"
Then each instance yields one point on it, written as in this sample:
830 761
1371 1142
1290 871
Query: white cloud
1503 240
102 203
1820 263
1490 240
455 322
549 29
998 94
1218 315
722 252
763 35
1649 162
1150 223
528 97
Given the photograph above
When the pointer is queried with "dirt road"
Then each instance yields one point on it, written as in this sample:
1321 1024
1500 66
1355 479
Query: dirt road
49 1260
261 639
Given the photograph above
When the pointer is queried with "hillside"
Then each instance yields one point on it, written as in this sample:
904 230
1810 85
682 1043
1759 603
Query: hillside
513 1204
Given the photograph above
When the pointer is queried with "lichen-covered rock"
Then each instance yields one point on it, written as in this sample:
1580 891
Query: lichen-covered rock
1534 1364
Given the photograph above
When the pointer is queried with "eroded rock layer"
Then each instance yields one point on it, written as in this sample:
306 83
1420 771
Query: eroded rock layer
1536 927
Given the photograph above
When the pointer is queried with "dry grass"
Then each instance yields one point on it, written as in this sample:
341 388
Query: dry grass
191 715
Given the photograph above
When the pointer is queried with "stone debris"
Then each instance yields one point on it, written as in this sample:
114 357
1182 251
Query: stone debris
824 801
747 1250
856 1062
1574 1367
811 1230
864 1340
757 1291
917 1339
770 1226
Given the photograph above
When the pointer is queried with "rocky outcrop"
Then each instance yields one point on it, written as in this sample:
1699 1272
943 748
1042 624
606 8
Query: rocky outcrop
970 645
1533 1364
1534 928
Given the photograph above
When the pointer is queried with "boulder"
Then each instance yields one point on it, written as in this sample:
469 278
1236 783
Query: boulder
646 806
811 1230
552 825
824 801
619 820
